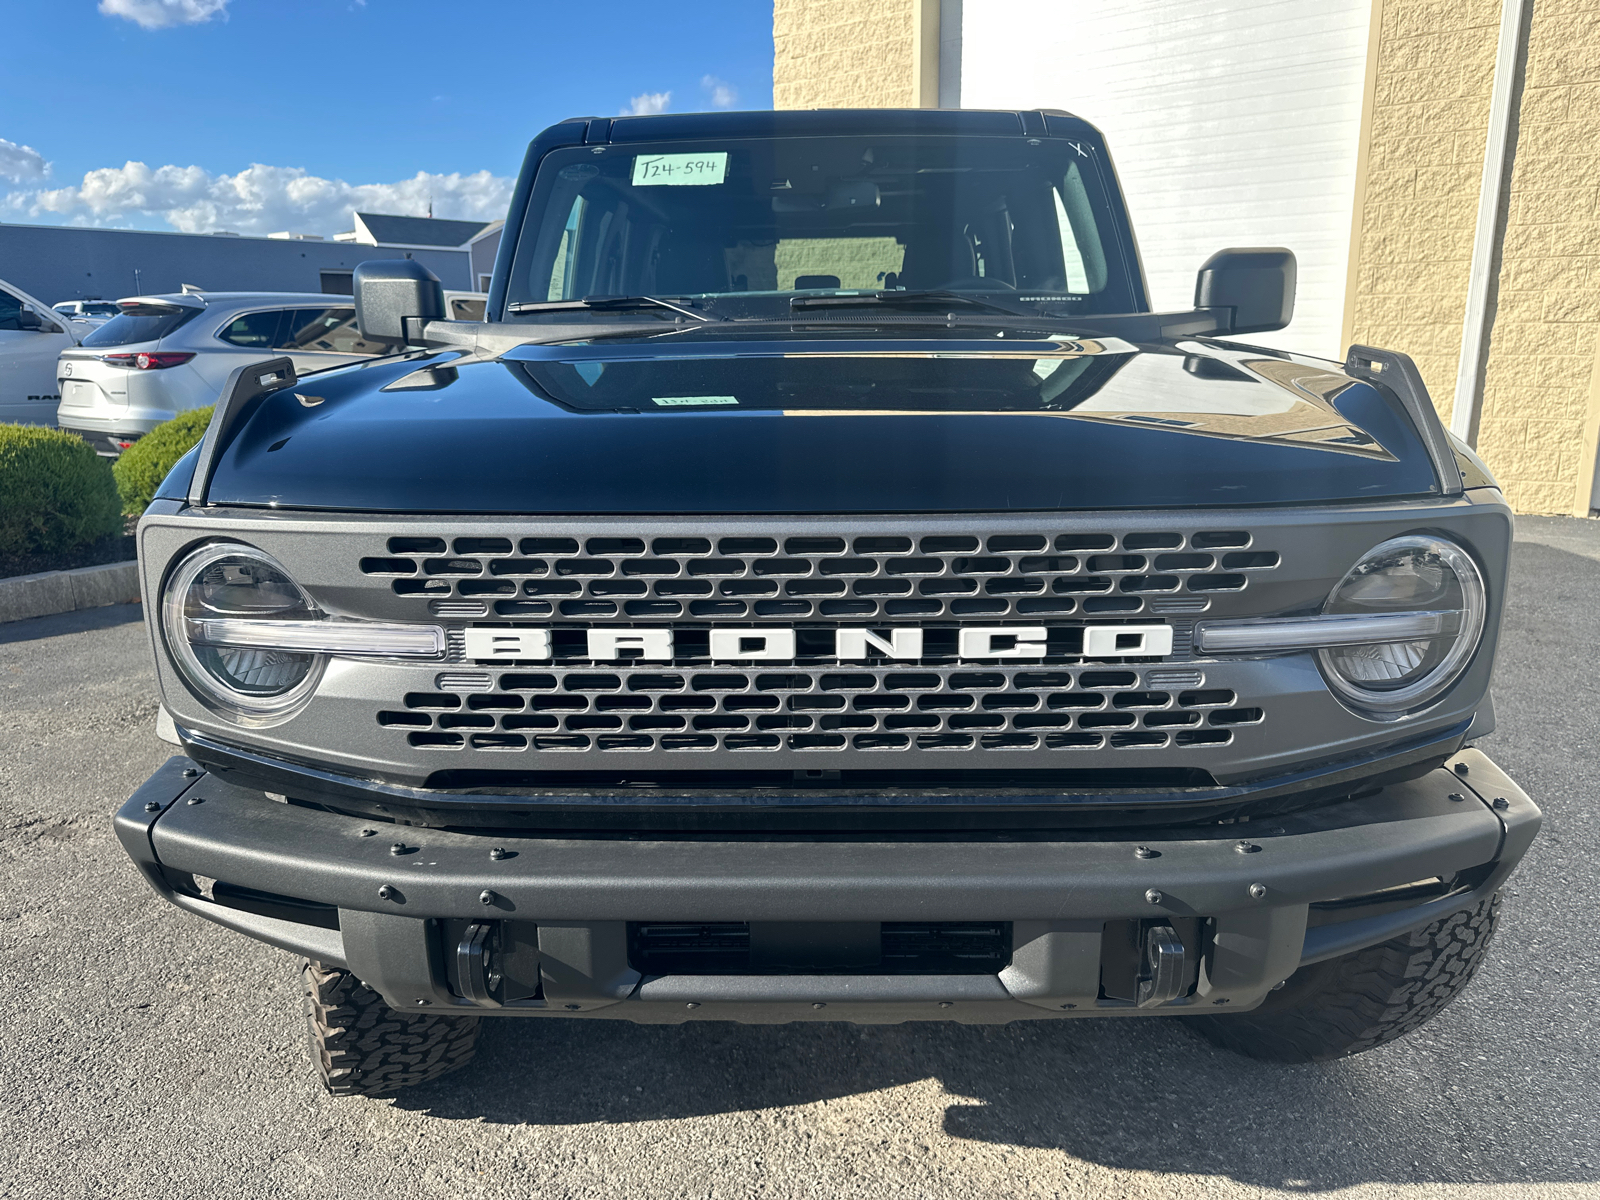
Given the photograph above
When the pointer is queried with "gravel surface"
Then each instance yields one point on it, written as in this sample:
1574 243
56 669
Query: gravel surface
150 1053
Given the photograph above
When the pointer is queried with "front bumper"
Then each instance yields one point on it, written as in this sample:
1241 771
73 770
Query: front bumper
1252 900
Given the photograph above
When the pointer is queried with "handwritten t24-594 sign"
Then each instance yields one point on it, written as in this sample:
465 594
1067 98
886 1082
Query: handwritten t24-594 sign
680 170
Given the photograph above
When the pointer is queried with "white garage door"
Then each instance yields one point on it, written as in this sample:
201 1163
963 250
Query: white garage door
1232 123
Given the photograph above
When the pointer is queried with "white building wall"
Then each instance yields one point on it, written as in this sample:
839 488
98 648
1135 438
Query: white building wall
1231 122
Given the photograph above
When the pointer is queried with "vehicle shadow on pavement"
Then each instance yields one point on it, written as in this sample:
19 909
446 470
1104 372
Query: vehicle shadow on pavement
35 628
1140 1095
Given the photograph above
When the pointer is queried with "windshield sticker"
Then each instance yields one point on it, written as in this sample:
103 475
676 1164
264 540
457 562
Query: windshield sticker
680 401
680 170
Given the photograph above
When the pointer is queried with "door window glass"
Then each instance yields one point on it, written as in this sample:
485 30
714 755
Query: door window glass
324 330
254 331
10 307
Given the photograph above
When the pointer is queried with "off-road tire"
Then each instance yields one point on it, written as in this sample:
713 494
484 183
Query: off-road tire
1346 1005
362 1047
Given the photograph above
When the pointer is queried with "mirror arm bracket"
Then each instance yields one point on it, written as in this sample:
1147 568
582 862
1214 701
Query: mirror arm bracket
1394 374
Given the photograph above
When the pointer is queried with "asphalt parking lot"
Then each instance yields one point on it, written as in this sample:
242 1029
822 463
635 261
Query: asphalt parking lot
148 1053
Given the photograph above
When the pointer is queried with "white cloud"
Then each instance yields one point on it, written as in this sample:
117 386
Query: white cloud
647 105
723 94
21 164
260 199
161 14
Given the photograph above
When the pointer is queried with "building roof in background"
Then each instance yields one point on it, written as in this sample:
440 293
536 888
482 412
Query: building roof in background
383 229
491 227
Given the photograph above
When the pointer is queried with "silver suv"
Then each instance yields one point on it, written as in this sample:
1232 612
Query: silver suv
162 355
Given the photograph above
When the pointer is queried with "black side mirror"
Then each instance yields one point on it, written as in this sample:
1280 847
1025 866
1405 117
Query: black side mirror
28 319
394 296
1256 282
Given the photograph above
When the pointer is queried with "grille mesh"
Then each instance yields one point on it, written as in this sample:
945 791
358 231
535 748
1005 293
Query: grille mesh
811 575
938 581
882 708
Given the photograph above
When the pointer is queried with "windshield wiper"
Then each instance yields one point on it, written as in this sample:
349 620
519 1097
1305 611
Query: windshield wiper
899 298
605 303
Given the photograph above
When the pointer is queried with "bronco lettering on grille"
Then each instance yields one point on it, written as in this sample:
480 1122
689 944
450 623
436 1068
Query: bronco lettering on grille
902 644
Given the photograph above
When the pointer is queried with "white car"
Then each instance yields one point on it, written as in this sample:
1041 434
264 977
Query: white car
95 311
465 306
32 337
162 355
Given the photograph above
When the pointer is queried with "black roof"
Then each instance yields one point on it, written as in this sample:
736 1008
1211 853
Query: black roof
833 121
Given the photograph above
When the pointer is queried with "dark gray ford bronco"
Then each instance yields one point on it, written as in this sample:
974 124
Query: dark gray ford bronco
822 589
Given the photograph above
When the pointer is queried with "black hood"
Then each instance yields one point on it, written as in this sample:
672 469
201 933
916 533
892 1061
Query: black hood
1170 425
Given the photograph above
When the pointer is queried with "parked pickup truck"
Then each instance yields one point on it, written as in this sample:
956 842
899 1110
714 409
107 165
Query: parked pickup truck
821 589
32 337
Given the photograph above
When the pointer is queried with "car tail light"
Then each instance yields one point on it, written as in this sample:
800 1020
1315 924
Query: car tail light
147 360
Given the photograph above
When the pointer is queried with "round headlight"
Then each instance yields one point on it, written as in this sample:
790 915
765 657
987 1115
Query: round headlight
226 579
1407 575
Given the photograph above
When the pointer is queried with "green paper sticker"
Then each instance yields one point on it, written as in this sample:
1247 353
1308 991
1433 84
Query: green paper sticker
680 170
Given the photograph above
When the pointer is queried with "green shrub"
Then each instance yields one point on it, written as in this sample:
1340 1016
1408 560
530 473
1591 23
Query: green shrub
56 493
148 461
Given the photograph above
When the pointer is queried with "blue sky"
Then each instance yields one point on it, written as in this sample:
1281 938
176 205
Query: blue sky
257 115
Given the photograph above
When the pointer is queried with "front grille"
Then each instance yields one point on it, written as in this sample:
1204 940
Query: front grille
902 948
949 708
788 577
814 581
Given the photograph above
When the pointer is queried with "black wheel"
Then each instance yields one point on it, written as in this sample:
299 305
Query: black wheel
362 1047
1350 1004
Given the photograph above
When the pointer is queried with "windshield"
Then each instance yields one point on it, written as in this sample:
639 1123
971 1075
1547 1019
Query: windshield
742 226
127 329
957 377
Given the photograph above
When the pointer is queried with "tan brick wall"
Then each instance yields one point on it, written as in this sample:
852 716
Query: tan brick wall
844 53
1429 119
1428 122
1536 431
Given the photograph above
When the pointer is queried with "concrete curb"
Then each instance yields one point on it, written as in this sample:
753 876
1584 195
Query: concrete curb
54 592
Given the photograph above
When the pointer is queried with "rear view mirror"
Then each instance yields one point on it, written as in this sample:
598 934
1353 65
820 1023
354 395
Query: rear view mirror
1257 283
394 297
854 193
27 318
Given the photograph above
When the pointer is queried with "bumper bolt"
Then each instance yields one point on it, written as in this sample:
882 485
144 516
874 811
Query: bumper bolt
1145 852
497 854
190 772
574 1007
369 833
946 1004
486 897
151 806
819 1004
1247 848
1069 1006
1224 1000
386 892
1258 891
1153 897
421 1001
1501 803
1461 768
1457 797
398 848
692 1004
195 800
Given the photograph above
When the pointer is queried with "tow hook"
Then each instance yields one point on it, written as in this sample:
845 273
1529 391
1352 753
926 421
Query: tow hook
1163 958
478 980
